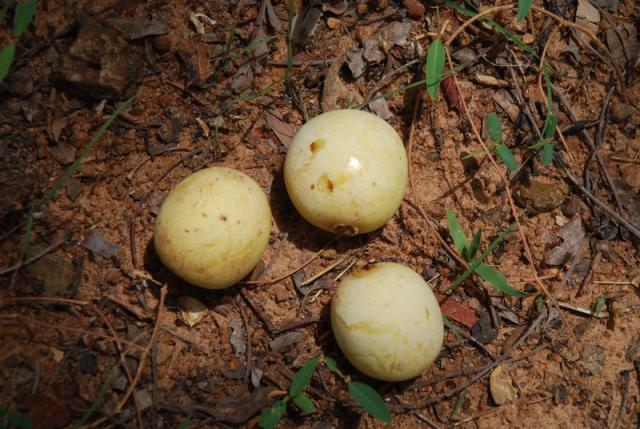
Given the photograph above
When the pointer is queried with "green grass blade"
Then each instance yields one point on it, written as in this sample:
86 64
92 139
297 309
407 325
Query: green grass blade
6 59
434 68
96 402
599 305
450 326
497 280
62 181
303 377
476 262
458 404
495 26
505 154
24 16
474 246
523 8
304 403
369 399
547 154
494 127
271 416
185 423
456 232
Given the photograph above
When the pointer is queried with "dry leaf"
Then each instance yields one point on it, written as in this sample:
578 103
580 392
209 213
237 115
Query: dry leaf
452 94
502 390
572 235
460 312
491 81
588 16
283 131
192 311
333 90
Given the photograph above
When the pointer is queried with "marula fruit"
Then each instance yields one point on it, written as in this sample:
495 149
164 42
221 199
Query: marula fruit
346 171
213 227
387 321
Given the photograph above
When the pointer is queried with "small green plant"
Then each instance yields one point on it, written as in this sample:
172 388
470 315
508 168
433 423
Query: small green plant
362 393
468 252
14 420
470 11
21 20
550 123
495 133
271 416
599 305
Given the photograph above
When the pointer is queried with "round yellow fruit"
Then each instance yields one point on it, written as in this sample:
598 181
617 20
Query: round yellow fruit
387 321
213 227
346 171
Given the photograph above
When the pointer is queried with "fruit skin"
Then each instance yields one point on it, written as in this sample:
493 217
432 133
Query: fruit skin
387 321
346 171
213 227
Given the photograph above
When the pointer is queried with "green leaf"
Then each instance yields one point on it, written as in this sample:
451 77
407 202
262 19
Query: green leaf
523 8
24 16
185 423
6 59
19 420
599 305
271 416
494 127
302 377
304 403
505 154
369 399
434 68
476 262
474 246
449 324
456 232
333 366
547 153
497 280
458 404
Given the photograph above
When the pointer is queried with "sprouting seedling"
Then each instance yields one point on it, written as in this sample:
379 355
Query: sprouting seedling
599 305
21 20
362 393
271 416
468 252
550 123
495 133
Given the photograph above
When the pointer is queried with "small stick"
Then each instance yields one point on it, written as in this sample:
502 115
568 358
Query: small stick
290 273
323 271
625 398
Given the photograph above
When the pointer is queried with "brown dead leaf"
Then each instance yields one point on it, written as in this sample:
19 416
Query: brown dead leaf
572 235
333 91
283 131
588 16
458 311
452 94
491 81
501 386
192 311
